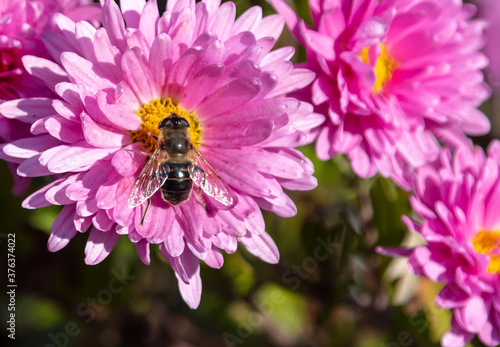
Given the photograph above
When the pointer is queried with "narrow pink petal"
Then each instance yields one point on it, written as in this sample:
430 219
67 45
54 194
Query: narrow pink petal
229 97
143 250
77 157
237 135
229 243
149 21
132 10
102 222
99 245
174 242
32 167
261 246
126 162
83 72
221 22
158 221
214 258
180 70
106 193
48 71
185 265
248 21
100 135
206 79
118 115
37 199
87 186
160 58
28 147
63 229
27 110
475 314
113 22
63 129
84 34
191 293
107 55
138 75
297 79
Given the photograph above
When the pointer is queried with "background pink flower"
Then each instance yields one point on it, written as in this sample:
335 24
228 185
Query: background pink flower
22 26
457 205
395 79
114 86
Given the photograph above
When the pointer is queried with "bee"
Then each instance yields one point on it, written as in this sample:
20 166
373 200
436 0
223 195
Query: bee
173 168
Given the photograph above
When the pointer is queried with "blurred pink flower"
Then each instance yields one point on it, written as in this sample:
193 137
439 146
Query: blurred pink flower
457 201
117 83
22 26
394 78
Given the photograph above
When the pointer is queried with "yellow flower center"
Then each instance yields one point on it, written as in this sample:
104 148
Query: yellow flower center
152 114
384 66
487 242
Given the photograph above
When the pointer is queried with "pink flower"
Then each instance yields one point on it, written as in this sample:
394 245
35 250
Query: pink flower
116 84
22 25
394 77
457 201
489 10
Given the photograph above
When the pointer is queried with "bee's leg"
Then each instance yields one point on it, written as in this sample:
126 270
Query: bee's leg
138 152
146 211
203 180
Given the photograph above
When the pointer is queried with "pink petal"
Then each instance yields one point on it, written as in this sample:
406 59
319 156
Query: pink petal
143 250
138 75
132 10
48 71
82 71
174 242
149 21
27 110
297 79
191 292
160 58
113 22
99 245
100 135
78 157
214 258
63 229
229 97
261 246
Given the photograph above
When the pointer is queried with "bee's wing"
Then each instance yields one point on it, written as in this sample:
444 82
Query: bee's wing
204 175
151 178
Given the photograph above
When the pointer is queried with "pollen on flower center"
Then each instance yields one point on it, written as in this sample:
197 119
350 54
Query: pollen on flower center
384 65
487 242
153 112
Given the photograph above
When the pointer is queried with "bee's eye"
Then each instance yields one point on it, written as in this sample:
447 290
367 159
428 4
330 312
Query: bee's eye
165 122
184 123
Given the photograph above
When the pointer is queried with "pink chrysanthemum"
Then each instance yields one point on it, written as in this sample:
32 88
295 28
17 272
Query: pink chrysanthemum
394 78
489 11
115 86
457 201
22 25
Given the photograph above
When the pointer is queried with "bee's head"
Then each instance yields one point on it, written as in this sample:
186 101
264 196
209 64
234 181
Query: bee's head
173 121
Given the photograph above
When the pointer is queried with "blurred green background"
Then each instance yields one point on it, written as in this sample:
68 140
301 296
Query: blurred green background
330 287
